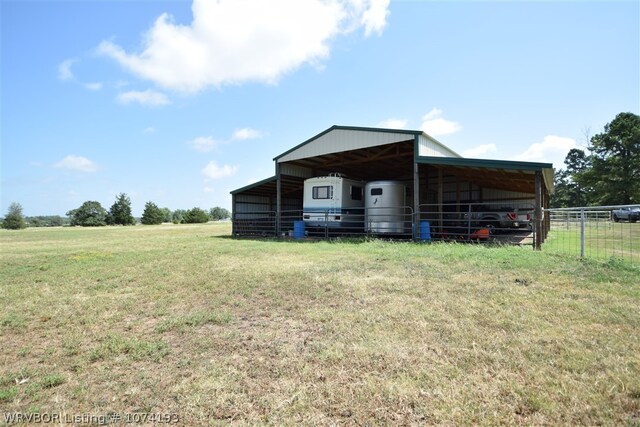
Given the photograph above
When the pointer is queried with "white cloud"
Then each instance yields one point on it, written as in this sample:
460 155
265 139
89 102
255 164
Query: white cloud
393 124
435 125
77 163
552 149
374 18
64 69
238 41
149 129
480 151
93 86
245 133
204 143
148 97
208 190
208 143
213 171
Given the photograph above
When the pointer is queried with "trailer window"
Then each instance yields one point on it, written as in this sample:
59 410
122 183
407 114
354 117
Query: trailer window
323 192
356 193
376 191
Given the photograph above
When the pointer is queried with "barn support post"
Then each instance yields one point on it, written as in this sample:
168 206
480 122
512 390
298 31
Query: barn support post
233 214
538 232
547 218
440 200
457 194
278 198
416 201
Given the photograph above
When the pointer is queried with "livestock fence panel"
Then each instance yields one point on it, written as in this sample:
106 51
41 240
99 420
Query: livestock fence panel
594 232
392 222
258 224
503 222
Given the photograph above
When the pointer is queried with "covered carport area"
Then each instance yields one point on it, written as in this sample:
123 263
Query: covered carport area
439 182
456 193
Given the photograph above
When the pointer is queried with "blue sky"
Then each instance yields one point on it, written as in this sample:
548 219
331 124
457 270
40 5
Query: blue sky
180 102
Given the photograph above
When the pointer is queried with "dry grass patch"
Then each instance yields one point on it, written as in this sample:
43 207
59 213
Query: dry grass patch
186 320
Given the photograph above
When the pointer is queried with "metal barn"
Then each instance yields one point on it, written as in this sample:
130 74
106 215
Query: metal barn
456 196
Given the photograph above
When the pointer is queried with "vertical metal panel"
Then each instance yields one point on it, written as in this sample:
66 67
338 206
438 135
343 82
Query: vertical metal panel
495 194
339 140
246 206
429 147
294 170
453 190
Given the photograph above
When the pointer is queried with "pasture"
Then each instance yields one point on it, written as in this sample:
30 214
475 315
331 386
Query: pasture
183 319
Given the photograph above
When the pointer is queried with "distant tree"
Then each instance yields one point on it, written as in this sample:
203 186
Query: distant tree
195 216
120 212
14 220
559 198
166 215
152 214
90 214
615 166
178 216
571 189
56 221
45 221
35 221
609 174
218 213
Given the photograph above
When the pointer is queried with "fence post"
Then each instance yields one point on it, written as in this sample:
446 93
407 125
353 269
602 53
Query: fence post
582 233
326 224
468 237
537 232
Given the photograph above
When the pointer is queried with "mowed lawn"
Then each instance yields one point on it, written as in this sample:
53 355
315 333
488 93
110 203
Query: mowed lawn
184 319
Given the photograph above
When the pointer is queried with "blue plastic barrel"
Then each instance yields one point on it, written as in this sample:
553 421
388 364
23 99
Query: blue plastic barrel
425 231
298 229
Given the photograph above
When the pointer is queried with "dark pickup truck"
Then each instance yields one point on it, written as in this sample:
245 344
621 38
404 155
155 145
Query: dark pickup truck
501 217
631 214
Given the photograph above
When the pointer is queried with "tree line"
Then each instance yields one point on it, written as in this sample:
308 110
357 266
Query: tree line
92 214
607 172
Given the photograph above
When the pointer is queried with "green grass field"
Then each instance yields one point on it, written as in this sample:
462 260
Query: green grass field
602 240
183 319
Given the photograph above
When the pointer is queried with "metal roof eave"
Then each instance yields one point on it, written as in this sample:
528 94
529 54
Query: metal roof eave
355 128
545 168
484 163
254 185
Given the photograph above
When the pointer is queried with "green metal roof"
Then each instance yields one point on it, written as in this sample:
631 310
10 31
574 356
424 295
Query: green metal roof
484 163
545 168
254 185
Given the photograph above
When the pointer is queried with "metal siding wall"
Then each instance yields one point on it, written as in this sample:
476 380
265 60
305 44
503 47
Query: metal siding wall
493 194
449 190
427 147
340 140
297 171
291 204
251 206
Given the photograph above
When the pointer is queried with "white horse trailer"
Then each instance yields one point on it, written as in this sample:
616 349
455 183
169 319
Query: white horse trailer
385 208
335 202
